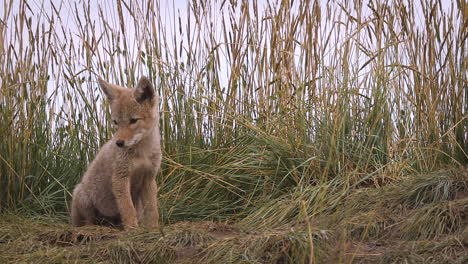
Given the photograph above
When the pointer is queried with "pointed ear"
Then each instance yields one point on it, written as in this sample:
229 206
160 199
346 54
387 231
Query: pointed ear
108 89
144 91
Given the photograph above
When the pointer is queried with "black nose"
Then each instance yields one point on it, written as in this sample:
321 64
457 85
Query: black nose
120 143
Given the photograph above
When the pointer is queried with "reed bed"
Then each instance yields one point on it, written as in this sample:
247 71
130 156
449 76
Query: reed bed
273 114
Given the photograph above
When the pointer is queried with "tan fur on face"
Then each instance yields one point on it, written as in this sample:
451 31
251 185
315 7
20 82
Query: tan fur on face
119 185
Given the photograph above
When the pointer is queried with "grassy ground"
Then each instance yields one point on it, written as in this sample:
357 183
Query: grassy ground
293 131
422 220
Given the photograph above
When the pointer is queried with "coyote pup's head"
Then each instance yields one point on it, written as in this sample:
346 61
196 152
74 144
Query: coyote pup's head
134 111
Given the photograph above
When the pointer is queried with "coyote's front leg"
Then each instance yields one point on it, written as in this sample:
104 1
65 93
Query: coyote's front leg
149 200
123 197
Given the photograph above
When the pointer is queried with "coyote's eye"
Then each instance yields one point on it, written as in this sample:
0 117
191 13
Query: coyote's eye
115 122
133 120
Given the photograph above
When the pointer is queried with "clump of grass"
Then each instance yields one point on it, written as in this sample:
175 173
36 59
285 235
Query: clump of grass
391 211
187 238
296 205
269 247
435 219
134 252
444 185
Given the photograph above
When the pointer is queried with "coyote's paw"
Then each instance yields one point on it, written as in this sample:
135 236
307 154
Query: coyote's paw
152 225
130 227
130 223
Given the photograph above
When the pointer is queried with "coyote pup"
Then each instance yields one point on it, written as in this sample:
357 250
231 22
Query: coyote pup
119 186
